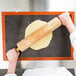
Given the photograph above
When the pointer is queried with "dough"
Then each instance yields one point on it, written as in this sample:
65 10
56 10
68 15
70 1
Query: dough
44 42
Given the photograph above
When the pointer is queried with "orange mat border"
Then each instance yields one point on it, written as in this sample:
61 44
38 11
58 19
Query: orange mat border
32 13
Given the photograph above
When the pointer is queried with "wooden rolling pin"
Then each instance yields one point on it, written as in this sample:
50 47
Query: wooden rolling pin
38 34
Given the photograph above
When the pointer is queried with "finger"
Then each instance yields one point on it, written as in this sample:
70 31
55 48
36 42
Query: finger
66 14
18 53
7 53
13 49
60 17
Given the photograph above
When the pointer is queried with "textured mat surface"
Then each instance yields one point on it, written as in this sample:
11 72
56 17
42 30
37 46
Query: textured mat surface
15 29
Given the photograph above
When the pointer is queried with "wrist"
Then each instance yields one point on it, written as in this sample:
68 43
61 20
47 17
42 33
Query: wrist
12 67
69 24
13 62
71 28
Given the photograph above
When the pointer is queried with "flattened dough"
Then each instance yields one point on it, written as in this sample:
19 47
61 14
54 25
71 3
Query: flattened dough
44 42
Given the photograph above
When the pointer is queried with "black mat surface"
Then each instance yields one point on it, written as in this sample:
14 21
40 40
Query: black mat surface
19 72
15 28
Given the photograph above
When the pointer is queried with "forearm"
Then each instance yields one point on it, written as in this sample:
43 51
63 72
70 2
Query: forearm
71 28
12 67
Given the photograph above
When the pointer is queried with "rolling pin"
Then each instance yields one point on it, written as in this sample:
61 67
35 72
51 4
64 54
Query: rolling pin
38 34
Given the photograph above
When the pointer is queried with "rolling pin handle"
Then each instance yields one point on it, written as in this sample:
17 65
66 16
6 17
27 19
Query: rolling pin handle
60 20
17 49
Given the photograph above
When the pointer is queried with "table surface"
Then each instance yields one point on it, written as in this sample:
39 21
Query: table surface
19 72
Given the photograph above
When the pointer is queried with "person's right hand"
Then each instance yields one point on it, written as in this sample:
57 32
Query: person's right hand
67 22
66 19
12 55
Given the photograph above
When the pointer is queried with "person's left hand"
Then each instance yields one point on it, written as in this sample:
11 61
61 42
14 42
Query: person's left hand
12 55
65 19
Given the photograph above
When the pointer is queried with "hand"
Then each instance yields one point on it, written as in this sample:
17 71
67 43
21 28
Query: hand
12 55
65 19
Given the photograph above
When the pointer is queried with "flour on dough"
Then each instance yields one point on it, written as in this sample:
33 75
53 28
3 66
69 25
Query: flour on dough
44 42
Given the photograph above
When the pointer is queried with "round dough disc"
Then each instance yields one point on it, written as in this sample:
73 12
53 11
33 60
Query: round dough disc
42 43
